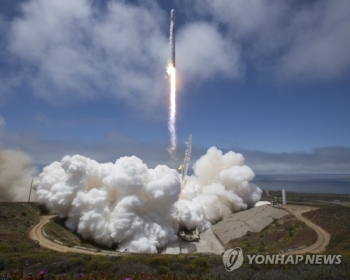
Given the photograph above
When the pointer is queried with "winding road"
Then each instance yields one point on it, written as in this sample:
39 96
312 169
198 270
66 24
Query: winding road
323 236
36 234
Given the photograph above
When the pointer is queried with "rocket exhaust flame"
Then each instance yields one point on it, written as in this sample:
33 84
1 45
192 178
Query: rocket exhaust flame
172 110
172 74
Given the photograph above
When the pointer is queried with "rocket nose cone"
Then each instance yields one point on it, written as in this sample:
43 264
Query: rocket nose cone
172 13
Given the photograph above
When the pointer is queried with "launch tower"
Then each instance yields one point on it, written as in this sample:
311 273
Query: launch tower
184 167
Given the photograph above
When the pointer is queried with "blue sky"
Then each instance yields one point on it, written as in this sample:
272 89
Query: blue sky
269 79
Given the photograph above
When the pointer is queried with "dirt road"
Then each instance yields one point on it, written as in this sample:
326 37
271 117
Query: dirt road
36 233
323 237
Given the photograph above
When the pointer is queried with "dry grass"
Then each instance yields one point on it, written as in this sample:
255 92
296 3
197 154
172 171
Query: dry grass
336 221
20 256
281 235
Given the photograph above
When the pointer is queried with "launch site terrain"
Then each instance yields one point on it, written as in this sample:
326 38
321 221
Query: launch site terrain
22 255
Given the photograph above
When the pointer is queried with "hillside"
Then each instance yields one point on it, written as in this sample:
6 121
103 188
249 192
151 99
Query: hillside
15 221
285 234
20 256
336 221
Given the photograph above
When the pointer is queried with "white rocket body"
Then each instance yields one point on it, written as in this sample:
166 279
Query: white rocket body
172 38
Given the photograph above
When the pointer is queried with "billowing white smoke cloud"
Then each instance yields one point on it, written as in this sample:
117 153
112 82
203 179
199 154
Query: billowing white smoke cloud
141 209
16 172
221 185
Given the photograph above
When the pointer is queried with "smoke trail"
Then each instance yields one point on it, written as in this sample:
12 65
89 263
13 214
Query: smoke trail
142 209
16 171
172 75
172 110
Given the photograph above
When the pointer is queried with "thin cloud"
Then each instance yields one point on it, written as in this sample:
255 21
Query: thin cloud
283 39
63 50
16 171
110 147
78 51
208 51
320 43
319 160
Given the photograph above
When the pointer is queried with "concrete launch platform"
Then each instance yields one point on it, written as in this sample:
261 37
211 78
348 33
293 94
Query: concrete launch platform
232 226
207 244
254 220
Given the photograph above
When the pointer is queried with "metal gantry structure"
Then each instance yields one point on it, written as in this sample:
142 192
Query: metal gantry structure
184 167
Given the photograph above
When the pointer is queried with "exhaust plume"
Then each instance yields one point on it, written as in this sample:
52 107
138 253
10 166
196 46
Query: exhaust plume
16 171
141 209
172 75
172 110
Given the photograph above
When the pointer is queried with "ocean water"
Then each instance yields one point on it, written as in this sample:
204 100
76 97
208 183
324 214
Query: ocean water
315 183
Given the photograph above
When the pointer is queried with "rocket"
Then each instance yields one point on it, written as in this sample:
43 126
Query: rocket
172 38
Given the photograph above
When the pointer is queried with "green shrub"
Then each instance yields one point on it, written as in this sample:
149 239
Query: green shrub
157 260
261 247
135 258
4 247
201 263
100 263
162 269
